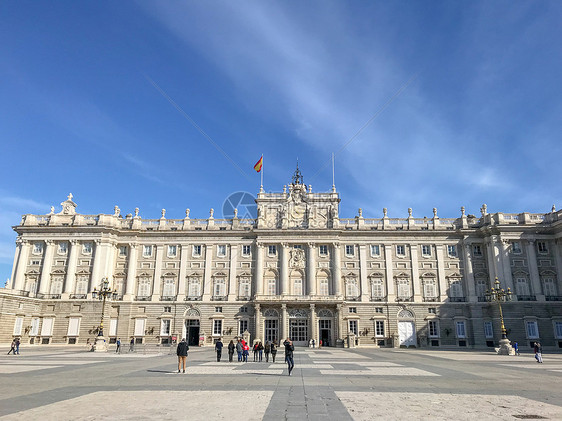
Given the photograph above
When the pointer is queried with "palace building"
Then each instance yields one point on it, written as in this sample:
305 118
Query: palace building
297 270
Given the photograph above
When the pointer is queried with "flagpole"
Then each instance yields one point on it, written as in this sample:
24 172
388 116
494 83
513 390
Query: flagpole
261 186
333 174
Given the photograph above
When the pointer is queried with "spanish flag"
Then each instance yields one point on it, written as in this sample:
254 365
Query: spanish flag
259 164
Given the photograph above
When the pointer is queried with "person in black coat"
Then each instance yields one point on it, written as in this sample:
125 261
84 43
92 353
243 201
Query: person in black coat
182 354
231 348
289 348
218 348
273 350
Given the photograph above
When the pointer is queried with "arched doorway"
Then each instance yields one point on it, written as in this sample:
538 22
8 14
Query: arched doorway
191 327
325 333
406 329
298 327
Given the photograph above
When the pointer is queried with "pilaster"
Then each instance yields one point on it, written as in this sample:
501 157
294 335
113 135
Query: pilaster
311 269
469 273
363 273
22 256
157 282
207 287
441 272
70 282
184 252
284 323
47 266
534 270
234 250
313 324
415 273
284 268
259 330
96 267
336 265
506 264
558 258
258 271
390 291
131 272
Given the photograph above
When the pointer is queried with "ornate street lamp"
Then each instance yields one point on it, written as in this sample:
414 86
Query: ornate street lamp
499 295
104 293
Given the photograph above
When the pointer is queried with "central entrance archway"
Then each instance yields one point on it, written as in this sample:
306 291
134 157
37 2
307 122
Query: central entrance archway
298 327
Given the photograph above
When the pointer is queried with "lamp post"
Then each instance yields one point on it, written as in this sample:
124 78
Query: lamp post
499 295
104 293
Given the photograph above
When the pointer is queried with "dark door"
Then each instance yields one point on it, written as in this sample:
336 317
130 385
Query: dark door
193 335
325 337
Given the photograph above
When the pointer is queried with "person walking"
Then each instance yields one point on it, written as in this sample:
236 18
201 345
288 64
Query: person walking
18 346
218 348
516 348
538 352
239 350
260 352
118 343
231 348
255 348
267 350
132 345
273 350
12 347
182 354
289 348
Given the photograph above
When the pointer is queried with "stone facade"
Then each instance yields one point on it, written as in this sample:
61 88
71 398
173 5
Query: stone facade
296 270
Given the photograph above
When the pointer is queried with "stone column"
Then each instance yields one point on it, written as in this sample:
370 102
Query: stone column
534 271
258 270
70 281
339 320
95 280
232 293
415 273
131 272
157 283
207 287
284 268
390 291
311 269
365 295
558 258
469 273
47 265
110 267
184 252
492 265
336 266
506 264
22 255
284 324
313 324
441 272
259 330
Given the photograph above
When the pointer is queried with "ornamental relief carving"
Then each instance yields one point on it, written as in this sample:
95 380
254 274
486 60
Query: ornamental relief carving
297 259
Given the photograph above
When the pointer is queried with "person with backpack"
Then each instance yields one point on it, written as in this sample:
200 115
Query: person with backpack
289 348
273 350
182 354
538 352
267 350
218 348
231 348
118 343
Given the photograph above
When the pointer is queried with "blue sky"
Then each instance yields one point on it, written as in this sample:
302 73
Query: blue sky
85 92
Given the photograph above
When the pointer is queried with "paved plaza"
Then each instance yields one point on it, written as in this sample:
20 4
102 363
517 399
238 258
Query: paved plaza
50 383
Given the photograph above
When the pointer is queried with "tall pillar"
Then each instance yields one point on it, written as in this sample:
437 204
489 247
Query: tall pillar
207 287
311 267
232 284
336 272
131 272
558 258
365 295
492 265
534 271
184 252
284 268
70 281
22 255
95 280
339 320
258 271
111 257
156 285
259 330
313 324
284 323
506 264
390 290
469 273
46 269
441 272
415 273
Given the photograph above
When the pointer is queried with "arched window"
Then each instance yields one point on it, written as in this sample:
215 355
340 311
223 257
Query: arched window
118 285
297 286
271 287
481 287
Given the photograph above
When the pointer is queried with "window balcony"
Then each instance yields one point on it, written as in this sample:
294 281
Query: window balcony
193 298
78 296
243 297
553 298
457 299
526 298
168 298
404 299
352 298
482 299
218 298
52 296
142 297
378 298
430 299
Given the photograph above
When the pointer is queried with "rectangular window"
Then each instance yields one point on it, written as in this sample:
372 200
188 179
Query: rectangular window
375 250
541 245
246 250
379 328
37 248
112 327
324 287
400 250
167 309
147 251
271 287
165 327
558 330
243 309
297 247
139 327
379 310
516 247
36 262
323 250
432 310
18 325
532 330
353 309
433 326
73 326
349 250
461 330
353 328
242 326
218 309
488 330
221 250
63 247
122 251
34 327
477 250
47 327
196 250
272 250
452 250
426 250
87 248
217 327
172 251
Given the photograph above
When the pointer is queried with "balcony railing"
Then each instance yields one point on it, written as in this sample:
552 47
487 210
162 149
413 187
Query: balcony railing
142 297
482 299
218 298
526 298
430 299
553 298
352 298
193 298
168 298
457 299
243 297
404 299
52 296
78 296
378 298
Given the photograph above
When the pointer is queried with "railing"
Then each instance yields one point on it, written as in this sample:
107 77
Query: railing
193 298
52 296
526 298
457 299
219 298
168 298
430 299
378 298
78 296
142 298
352 298
404 299
243 297
482 299
553 298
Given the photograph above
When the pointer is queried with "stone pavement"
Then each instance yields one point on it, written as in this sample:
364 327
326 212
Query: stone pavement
65 383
